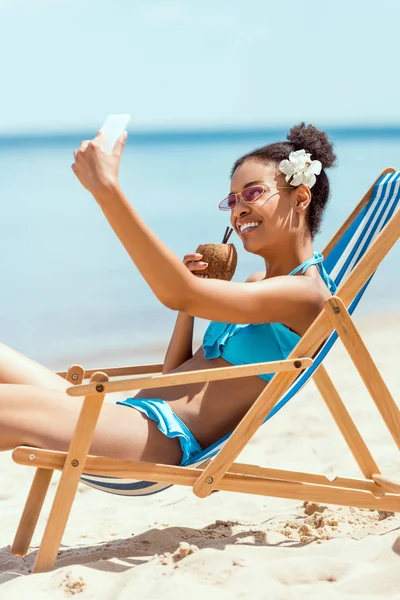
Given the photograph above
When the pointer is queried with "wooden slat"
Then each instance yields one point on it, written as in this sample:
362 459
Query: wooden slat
308 492
346 425
364 200
304 477
121 371
108 467
232 482
70 478
369 373
186 377
31 512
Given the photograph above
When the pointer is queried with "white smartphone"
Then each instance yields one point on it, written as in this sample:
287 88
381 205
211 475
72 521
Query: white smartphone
112 128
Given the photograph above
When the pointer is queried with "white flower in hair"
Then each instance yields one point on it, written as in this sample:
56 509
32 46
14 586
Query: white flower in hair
300 168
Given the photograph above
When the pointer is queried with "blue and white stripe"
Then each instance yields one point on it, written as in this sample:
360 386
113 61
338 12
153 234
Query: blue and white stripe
339 264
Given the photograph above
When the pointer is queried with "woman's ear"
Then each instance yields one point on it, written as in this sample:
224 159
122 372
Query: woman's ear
303 197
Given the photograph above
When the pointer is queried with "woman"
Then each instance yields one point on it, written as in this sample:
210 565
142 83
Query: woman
276 215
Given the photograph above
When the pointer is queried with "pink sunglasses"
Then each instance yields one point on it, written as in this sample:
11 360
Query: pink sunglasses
248 195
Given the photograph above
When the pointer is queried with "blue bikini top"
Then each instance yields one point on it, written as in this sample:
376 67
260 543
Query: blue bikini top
242 344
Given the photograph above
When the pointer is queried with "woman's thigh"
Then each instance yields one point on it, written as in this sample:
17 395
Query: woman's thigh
17 368
34 416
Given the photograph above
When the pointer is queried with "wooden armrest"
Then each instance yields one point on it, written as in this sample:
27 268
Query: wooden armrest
200 376
121 371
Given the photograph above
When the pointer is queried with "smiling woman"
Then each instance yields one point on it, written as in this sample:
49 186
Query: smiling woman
277 197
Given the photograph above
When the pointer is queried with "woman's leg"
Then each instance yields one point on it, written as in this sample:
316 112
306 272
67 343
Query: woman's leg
34 416
17 368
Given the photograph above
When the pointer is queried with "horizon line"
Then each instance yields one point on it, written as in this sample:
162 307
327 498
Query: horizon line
195 135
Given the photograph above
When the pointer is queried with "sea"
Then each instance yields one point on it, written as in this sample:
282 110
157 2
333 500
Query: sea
70 293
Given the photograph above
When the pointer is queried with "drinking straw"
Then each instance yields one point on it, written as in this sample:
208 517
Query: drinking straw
227 235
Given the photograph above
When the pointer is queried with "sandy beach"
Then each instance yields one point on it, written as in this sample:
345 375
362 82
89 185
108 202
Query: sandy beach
231 545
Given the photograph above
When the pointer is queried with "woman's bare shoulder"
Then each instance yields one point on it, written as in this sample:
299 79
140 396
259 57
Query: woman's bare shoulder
259 276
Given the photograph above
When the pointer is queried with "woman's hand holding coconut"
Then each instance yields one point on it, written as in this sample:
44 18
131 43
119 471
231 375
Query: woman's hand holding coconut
194 263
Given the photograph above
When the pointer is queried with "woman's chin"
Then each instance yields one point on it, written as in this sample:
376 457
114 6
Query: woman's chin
251 245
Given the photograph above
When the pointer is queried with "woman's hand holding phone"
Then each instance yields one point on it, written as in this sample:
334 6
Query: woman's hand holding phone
97 161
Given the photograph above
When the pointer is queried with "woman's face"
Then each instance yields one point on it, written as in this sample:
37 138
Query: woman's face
273 214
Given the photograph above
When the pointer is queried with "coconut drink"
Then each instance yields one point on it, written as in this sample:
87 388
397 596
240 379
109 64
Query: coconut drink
221 258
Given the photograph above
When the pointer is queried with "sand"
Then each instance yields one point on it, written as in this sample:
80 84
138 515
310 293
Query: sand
231 545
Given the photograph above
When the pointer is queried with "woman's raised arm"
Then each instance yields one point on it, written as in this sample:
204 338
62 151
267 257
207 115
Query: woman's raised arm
280 299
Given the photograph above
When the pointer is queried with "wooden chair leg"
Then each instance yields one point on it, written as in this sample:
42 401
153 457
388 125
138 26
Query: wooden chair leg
70 477
30 515
358 352
345 423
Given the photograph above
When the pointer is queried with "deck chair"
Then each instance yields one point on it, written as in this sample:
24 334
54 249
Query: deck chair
351 258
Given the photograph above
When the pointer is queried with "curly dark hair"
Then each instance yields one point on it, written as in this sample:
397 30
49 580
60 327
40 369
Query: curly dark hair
315 142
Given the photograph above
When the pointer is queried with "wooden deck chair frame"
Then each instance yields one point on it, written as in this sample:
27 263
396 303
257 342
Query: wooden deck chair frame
373 491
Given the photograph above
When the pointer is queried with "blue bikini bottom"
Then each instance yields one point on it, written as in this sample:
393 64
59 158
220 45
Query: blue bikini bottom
168 423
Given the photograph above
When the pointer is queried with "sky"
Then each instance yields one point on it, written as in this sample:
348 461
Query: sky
198 64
